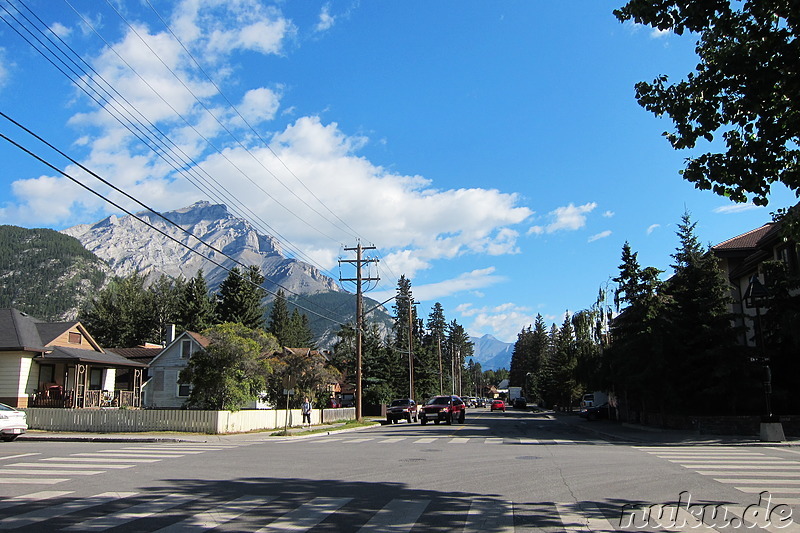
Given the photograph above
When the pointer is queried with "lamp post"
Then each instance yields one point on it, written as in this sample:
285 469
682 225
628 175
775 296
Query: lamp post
755 297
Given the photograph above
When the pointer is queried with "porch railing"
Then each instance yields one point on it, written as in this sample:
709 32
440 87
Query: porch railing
92 398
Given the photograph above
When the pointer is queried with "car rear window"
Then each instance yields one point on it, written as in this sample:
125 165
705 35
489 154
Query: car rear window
440 400
400 402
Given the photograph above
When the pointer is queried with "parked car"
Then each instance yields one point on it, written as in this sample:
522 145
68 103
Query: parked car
13 423
334 403
594 413
403 409
520 403
498 405
443 408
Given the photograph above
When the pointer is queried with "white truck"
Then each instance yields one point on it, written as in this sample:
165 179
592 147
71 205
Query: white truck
593 399
514 393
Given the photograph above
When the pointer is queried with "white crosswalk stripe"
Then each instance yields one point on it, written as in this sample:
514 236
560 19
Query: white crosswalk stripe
55 511
306 516
33 497
135 512
217 516
489 515
397 516
198 512
750 472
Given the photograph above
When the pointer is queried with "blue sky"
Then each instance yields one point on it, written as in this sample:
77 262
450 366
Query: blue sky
493 152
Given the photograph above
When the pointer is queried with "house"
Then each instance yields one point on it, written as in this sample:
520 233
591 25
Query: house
164 389
742 258
59 364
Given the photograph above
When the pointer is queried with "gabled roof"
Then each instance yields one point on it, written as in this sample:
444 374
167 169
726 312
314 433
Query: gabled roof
61 354
196 337
20 331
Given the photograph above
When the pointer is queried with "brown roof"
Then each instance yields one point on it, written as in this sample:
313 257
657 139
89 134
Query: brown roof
750 240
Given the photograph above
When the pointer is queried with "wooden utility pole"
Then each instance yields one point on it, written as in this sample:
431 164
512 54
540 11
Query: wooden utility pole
359 279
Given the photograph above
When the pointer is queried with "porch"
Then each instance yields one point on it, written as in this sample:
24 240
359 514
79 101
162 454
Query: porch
75 379
57 397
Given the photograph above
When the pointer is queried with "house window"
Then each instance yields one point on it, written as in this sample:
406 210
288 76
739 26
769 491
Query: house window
47 375
96 379
184 389
75 337
186 349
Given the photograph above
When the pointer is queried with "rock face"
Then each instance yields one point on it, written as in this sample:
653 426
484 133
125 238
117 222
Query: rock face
128 245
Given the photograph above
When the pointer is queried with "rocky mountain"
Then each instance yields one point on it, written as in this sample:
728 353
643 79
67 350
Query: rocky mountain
491 353
45 273
127 245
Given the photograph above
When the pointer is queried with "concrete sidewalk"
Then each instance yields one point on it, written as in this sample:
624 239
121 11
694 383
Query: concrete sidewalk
168 436
652 435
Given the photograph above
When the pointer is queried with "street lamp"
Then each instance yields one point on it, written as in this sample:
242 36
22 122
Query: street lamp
755 297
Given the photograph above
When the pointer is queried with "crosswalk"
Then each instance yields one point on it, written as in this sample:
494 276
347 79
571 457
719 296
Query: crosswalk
30 469
772 478
465 440
181 512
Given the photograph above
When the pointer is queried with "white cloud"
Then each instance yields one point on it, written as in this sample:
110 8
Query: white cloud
4 66
505 321
568 218
608 214
601 235
658 34
60 30
651 228
735 208
326 20
465 282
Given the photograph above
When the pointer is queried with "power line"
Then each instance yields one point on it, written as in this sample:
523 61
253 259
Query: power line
118 206
165 149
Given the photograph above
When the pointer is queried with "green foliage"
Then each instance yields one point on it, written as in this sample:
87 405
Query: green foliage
45 273
232 370
310 371
745 90
240 296
196 309
123 314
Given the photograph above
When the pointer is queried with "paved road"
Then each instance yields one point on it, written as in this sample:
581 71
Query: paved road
498 472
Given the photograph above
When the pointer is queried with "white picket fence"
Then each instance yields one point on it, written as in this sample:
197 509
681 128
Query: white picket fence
189 420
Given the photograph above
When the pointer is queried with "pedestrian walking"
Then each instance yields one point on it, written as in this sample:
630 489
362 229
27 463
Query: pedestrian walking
306 409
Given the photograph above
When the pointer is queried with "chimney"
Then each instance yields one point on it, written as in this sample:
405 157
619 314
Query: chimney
170 334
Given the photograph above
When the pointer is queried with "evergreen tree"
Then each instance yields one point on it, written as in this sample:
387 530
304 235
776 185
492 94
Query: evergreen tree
279 321
240 298
702 363
564 361
437 326
122 314
166 295
197 305
637 356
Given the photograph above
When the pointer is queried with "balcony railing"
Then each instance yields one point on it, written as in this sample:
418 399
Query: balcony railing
56 397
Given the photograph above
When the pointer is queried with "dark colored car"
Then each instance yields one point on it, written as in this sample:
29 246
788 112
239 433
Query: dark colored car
447 409
594 413
403 409
498 405
520 403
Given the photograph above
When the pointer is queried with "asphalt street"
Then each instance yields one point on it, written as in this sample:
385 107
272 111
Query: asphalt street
514 471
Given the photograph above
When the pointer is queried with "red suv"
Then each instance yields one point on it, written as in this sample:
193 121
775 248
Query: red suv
402 409
443 408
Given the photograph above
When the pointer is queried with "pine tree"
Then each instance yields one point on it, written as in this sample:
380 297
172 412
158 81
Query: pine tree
279 319
702 363
197 305
240 298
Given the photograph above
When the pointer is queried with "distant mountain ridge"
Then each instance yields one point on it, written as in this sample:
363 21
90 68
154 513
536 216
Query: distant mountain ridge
127 246
47 274
491 353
